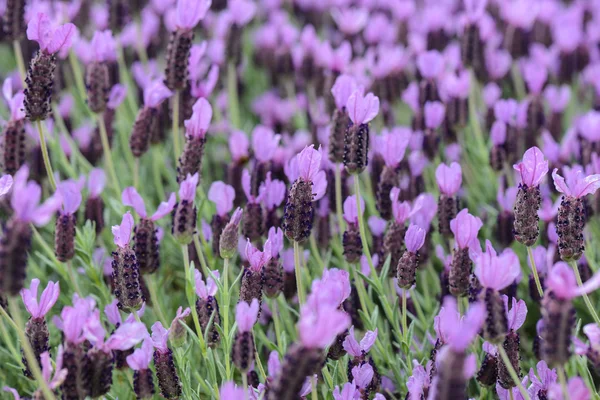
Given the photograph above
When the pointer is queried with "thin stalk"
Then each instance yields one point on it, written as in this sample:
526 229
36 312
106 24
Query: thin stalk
512 397
536 277
315 250
29 355
200 254
314 394
338 199
225 296
75 67
187 267
586 299
298 269
512 372
363 234
563 382
74 278
232 96
175 127
45 155
6 337
156 303
136 173
277 324
108 155
404 321
245 384
20 61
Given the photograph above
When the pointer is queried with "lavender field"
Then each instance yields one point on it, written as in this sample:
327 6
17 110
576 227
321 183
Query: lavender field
300 199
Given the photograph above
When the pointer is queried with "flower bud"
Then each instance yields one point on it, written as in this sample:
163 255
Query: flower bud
356 148
36 331
298 212
178 52
12 147
64 237
15 244
168 379
97 83
146 246
39 84
527 204
242 351
125 279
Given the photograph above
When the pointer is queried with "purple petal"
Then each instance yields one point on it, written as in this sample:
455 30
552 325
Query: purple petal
130 197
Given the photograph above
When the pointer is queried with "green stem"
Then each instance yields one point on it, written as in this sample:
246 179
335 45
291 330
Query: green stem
20 61
225 296
189 274
200 254
78 75
315 251
156 303
108 155
314 393
32 362
363 234
136 173
563 382
45 155
245 384
536 277
232 95
298 269
175 129
586 299
404 319
338 198
74 278
277 324
512 372
7 339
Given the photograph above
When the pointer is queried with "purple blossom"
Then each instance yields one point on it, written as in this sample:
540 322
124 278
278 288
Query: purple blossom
229 391
430 64
517 313
576 389
362 109
557 97
357 349
272 192
264 143
222 195
187 188
25 200
103 46
392 145
246 315
402 211
547 377
14 100
257 258
96 182
47 300
449 178
238 145
350 209
275 237
160 336
414 238
498 133
535 76
130 197
6 183
456 330
533 168
155 92
496 271
140 359
363 375
198 124
377 225
434 114
190 12
577 184
208 289
465 228
122 233
51 39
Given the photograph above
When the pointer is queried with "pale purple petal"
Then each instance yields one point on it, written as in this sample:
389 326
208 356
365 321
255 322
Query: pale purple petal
48 298
465 228
309 162
560 184
449 178
96 182
127 336
155 93
29 297
362 109
246 315
6 183
130 197
187 189
164 208
222 195
414 238
62 38
533 167
351 345
190 12
122 233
